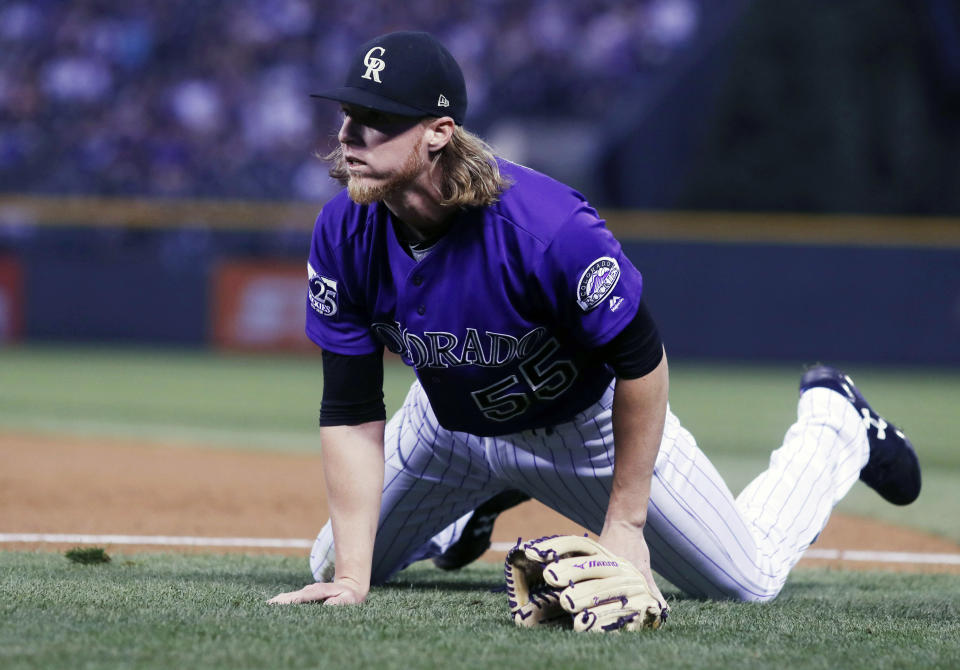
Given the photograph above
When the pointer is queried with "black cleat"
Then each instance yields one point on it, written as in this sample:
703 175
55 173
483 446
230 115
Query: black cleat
475 538
893 470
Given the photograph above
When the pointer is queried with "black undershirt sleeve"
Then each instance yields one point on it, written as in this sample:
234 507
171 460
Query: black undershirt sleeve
352 389
637 350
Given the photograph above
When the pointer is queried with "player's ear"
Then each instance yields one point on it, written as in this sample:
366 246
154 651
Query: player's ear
438 133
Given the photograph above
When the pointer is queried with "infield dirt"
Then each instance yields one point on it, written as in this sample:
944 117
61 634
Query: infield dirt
57 484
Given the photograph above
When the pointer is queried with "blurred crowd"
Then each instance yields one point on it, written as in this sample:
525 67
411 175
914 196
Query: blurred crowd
210 97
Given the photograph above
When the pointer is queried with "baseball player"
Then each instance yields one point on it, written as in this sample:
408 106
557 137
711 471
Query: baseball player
539 367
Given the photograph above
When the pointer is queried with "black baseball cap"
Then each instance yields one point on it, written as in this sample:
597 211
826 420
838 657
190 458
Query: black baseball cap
407 73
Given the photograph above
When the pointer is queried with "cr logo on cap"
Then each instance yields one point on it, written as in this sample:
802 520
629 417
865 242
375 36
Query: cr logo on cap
374 64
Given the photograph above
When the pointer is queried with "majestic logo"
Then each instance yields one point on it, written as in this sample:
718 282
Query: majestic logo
323 293
615 303
443 102
597 282
374 65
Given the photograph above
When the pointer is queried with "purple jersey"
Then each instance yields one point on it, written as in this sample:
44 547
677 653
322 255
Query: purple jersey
500 318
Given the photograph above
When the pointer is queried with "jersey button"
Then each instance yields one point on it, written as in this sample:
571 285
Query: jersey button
421 310
417 280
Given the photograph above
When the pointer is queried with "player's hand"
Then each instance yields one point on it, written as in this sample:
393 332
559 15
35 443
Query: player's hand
329 593
628 542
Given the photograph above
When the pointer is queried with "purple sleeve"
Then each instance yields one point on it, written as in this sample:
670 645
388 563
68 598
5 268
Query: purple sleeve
336 318
592 287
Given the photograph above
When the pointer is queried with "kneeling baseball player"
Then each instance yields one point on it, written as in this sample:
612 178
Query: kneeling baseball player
540 373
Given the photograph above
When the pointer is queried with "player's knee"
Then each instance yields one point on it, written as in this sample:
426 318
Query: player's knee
322 571
751 597
747 593
322 555
755 594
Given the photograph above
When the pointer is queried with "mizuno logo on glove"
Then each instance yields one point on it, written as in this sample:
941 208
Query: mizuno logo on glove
596 564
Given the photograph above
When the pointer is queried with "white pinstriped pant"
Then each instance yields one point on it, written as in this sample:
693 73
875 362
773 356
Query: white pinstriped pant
702 539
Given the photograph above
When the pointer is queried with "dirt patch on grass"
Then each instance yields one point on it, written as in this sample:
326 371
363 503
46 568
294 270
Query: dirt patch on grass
52 484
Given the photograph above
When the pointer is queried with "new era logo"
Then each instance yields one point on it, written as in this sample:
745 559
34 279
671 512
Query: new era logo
443 102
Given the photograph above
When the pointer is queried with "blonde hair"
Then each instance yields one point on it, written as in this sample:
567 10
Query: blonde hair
468 170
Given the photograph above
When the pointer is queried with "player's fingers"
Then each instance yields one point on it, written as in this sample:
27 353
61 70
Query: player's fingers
282 598
652 586
290 598
308 594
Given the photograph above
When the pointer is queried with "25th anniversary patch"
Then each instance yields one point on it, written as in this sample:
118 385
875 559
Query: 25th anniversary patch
323 292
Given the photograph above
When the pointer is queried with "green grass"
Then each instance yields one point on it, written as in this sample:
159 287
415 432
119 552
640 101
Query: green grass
165 610
169 610
269 402
745 409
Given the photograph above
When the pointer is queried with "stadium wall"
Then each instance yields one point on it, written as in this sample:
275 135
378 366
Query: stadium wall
725 287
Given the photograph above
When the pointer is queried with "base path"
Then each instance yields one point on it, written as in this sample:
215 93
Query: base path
69 485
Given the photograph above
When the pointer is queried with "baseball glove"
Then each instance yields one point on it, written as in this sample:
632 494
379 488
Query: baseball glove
570 580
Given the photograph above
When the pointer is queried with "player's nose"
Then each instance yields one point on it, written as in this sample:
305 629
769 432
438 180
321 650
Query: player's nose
349 130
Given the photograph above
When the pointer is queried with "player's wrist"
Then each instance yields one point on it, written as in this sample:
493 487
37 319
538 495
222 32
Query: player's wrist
359 586
632 522
623 537
629 520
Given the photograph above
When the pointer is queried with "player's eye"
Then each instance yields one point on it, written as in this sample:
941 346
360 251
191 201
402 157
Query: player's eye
366 117
384 122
